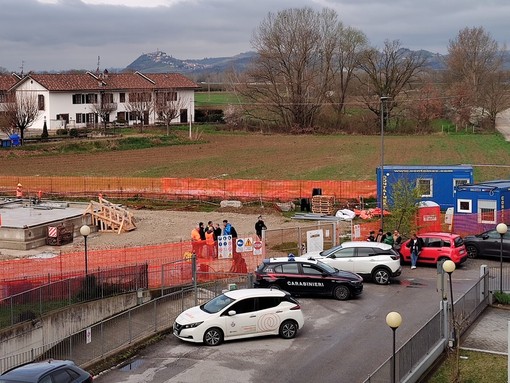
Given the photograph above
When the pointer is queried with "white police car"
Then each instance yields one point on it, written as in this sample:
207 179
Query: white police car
238 314
301 276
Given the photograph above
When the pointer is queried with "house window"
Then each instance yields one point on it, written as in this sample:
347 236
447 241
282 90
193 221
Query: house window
3 97
140 97
78 99
486 211
424 186
107 98
122 97
40 101
464 206
91 98
80 118
164 97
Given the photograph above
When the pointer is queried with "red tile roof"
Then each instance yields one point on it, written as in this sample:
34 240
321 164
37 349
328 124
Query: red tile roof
111 81
7 81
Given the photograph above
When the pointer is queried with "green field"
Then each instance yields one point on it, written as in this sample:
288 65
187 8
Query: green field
223 154
212 99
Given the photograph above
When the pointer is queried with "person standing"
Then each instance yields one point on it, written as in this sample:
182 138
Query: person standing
201 230
371 237
228 229
210 242
196 241
217 231
259 226
415 245
380 236
389 239
397 240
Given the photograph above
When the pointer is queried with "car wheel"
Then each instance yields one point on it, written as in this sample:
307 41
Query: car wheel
381 276
341 293
213 337
288 329
472 251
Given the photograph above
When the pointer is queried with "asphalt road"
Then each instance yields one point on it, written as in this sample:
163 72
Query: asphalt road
340 342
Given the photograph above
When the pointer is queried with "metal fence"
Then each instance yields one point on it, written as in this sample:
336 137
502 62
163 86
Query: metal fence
109 336
499 277
417 352
35 302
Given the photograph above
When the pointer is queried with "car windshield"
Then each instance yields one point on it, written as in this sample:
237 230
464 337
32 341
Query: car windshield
217 304
325 253
327 268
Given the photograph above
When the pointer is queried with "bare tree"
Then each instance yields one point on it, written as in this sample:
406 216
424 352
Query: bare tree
387 74
20 111
351 44
475 61
104 108
168 107
140 104
294 67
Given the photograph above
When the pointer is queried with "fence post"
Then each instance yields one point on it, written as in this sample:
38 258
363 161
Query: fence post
300 245
129 321
194 276
12 312
162 277
483 290
446 322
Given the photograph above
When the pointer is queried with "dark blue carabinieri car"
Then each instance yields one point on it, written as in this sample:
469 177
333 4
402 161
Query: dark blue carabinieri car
301 276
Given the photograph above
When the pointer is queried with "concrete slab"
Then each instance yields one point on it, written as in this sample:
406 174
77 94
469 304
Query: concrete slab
24 225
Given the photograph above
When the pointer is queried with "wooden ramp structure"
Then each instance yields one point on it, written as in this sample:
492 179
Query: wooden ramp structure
107 216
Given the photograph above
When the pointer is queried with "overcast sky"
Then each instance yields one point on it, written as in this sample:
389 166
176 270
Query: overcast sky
71 34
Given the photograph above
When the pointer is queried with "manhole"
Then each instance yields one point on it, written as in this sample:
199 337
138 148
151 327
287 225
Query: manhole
132 365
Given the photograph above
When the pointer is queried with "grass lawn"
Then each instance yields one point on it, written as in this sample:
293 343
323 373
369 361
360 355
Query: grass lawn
475 367
242 155
211 99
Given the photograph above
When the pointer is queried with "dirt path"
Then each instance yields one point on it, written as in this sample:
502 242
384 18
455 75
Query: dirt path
503 123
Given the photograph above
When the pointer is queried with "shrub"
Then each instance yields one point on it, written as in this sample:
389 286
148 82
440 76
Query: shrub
62 132
502 298
73 132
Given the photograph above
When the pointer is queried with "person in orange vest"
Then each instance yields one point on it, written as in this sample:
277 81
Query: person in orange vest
209 241
196 242
19 191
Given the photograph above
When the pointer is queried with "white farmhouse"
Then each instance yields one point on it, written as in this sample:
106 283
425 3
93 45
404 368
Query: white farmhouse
84 99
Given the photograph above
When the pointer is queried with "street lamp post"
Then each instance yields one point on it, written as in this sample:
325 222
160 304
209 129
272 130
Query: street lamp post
501 229
383 99
394 320
449 267
85 231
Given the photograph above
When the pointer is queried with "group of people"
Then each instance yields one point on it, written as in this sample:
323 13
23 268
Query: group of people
395 240
208 235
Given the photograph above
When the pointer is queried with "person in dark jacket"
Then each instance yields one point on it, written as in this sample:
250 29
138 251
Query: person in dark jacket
259 226
415 245
201 230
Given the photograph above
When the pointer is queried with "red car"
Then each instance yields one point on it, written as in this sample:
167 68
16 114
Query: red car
438 247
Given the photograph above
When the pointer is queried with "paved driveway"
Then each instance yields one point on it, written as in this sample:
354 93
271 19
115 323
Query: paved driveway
341 341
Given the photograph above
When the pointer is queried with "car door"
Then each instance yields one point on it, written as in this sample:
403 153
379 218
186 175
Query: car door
313 280
433 249
365 261
244 321
269 314
342 259
491 243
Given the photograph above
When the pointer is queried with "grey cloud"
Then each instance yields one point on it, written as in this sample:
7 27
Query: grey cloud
71 34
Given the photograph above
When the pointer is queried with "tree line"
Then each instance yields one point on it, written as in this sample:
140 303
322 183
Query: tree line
312 70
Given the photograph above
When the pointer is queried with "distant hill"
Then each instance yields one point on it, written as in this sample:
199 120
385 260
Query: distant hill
160 62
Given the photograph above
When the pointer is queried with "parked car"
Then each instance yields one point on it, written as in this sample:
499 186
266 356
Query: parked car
302 276
238 314
487 244
375 260
51 371
438 247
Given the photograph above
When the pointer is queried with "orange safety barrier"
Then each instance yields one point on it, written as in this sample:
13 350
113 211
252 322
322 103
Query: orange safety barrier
186 188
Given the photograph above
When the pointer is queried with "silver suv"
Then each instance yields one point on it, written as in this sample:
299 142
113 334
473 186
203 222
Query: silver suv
378 261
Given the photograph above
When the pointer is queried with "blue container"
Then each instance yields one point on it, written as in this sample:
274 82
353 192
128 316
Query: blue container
6 143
